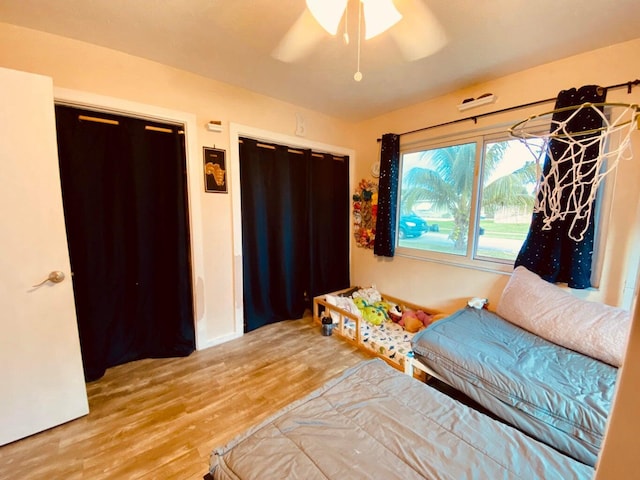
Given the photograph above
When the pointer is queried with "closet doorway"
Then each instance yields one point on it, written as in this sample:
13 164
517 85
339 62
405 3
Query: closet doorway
124 188
295 229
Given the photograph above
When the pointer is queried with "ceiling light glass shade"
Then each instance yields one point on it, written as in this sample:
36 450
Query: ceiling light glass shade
328 13
379 16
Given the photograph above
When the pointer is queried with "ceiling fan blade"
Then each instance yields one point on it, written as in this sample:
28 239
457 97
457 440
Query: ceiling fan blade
300 40
418 34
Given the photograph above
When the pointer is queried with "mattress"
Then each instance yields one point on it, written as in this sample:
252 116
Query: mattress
388 339
559 396
375 422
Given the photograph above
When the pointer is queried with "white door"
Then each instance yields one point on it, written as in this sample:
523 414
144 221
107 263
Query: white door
41 377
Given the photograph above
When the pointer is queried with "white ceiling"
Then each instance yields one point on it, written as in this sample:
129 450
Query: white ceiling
232 41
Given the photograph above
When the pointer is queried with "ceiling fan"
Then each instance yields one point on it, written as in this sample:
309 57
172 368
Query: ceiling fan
414 28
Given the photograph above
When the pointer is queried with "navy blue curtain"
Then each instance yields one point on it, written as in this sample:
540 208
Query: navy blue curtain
385 241
125 206
295 231
329 224
552 254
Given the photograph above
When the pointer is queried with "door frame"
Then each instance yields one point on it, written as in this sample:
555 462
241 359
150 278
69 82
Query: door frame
235 132
194 175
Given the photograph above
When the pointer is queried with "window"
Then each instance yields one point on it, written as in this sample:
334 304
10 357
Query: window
468 201
507 194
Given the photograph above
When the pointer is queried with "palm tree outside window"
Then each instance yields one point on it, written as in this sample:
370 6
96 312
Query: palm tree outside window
475 198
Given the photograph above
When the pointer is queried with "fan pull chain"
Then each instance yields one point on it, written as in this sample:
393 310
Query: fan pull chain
358 75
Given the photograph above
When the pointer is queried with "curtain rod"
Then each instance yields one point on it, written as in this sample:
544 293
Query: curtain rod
270 146
630 84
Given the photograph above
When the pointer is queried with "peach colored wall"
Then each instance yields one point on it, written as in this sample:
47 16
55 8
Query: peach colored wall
78 66
84 67
448 287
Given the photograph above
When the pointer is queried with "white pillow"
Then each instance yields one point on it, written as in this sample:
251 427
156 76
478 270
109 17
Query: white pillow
591 328
345 303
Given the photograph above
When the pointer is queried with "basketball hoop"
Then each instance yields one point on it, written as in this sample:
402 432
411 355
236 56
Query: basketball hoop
578 160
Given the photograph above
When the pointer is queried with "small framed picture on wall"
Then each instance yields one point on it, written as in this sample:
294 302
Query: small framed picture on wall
215 172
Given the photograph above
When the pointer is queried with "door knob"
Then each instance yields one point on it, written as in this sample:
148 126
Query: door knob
54 277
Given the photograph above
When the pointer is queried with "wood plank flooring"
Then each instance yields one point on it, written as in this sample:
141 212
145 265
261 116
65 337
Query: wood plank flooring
161 418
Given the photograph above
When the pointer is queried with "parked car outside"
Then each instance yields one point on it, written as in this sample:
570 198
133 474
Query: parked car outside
411 226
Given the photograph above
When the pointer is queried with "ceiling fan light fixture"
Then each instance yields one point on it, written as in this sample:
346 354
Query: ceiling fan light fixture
328 13
379 16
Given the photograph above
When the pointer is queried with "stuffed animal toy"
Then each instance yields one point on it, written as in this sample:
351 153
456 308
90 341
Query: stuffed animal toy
375 314
414 321
425 318
478 303
395 314
411 322
384 307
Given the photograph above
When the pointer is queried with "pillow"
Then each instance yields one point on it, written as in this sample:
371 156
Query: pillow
345 303
594 329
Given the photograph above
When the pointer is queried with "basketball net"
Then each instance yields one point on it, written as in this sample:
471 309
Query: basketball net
577 161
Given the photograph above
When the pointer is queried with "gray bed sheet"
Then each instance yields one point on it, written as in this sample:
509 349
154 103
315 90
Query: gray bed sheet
559 396
374 422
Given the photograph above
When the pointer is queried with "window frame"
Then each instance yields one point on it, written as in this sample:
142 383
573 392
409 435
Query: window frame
483 136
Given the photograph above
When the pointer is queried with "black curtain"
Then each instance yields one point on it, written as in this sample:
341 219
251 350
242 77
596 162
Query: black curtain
124 195
385 241
551 253
329 224
291 251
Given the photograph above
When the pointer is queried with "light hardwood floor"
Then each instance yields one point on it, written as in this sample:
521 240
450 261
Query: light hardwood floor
161 418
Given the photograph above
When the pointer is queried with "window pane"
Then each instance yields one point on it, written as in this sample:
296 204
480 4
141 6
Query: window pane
435 199
507 196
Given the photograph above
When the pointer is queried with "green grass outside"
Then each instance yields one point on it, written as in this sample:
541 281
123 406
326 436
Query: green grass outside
514 231
504 231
